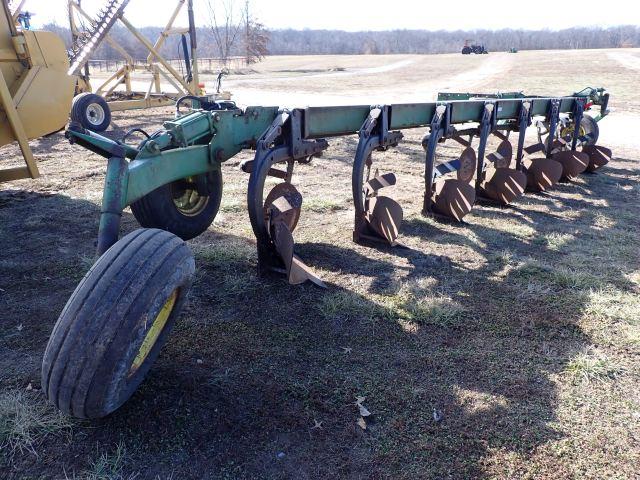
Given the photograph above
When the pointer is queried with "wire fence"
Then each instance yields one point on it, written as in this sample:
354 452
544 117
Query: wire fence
205 65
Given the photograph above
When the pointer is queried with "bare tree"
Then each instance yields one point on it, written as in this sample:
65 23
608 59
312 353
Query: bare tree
256 37
226 25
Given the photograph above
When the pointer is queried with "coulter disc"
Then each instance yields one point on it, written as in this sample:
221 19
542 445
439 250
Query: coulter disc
285 202
468 163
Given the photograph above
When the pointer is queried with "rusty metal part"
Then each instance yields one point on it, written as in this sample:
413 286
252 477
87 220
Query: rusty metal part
297 271
573 163
288 201
598 156
535 148
542 173
503 185
384 215
377 218
378 182
468 162
453 198
501 158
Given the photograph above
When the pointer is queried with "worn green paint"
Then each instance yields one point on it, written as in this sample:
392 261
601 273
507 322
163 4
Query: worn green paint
198 142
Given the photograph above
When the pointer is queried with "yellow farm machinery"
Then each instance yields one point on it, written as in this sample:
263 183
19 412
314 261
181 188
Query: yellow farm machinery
120 315
92 107
38 74
33 80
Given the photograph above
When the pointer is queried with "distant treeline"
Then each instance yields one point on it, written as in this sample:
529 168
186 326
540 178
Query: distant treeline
337 42
308 42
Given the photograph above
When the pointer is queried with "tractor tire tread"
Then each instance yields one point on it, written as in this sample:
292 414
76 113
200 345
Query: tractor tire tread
157 210
98 333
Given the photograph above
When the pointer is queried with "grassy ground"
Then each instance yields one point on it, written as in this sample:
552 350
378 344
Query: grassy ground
504 347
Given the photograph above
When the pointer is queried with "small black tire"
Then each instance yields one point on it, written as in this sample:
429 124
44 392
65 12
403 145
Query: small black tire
91 111
159 209
591 128
115 323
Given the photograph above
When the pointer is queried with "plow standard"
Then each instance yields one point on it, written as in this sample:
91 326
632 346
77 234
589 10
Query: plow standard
120 315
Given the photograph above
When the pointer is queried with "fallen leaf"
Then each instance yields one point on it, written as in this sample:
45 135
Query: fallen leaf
20 327
437 415
346 349
361 423
363 411
316 424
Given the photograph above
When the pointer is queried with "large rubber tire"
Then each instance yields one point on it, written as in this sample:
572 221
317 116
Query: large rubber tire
466 50
158 209
91 111
591 127
115 323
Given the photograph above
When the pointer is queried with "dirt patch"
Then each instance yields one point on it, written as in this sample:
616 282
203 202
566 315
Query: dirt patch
627 60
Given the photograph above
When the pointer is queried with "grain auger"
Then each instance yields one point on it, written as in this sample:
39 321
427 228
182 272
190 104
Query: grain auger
120 315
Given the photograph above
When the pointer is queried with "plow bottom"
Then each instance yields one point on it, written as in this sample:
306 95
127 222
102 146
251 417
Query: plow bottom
598 156
453 198
503 185
282 212
573 163
542 173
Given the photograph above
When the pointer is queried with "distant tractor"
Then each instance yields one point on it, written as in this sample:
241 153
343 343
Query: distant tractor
469 49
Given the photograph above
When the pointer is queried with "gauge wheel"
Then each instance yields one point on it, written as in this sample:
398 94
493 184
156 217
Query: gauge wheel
184 207
115 323
588 128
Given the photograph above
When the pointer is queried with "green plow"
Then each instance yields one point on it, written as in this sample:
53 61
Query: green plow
116 321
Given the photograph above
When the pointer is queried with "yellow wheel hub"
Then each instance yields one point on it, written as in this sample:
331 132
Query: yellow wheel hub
154 332
567 132
186 198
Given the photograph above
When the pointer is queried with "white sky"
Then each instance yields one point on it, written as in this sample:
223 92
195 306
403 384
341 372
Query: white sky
381 15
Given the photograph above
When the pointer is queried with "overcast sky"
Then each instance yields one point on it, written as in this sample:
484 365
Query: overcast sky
381 15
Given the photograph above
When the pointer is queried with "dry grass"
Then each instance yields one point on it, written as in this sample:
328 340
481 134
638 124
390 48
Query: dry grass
25 421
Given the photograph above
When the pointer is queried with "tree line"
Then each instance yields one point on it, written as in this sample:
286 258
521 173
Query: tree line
216 41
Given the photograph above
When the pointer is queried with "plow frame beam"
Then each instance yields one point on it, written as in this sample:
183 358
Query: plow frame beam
287 136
